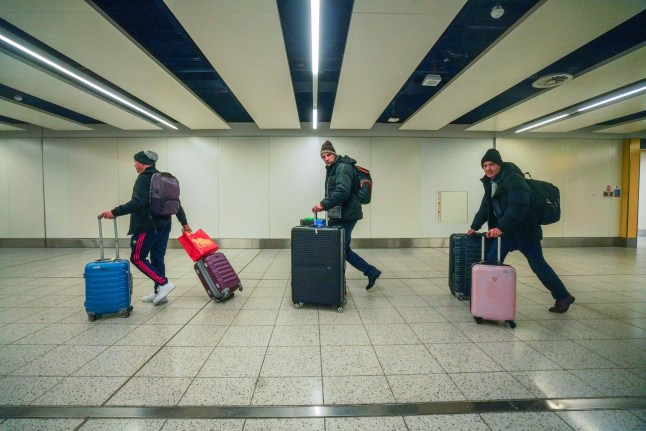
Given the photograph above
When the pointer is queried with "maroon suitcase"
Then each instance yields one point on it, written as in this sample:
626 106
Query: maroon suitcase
217 275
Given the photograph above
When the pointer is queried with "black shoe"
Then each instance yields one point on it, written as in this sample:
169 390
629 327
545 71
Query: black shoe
372 278
562 305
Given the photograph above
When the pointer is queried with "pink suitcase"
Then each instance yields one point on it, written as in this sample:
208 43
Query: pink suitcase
493 290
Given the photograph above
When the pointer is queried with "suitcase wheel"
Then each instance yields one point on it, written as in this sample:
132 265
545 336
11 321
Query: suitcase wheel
478 320
512 324
345 301
125 314
240 287
91 317
298 304
130 308
460 296
340 309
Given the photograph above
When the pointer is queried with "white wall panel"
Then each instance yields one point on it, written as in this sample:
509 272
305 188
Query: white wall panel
24 177
5 222
294 182
449 165
641 220
590 167
395 204
243 166
194 161
80 182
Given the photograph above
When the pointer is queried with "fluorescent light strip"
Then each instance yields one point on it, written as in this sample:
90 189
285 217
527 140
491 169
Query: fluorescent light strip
315 6
542 123
85 81
611 99
315 36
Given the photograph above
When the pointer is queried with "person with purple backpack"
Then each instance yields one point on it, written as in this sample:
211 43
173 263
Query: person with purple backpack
150 232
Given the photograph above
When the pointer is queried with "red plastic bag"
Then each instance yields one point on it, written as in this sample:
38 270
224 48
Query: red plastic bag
197 244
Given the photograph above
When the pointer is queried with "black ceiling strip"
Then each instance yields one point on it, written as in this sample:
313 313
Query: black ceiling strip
334 25
470 33
29 100
623 38
625 119
8 120
153 26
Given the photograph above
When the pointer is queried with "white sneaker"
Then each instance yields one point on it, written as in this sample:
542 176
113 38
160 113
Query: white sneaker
162 291
151 297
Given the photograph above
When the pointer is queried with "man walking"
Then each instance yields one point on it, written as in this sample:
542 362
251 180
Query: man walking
343 206
149 232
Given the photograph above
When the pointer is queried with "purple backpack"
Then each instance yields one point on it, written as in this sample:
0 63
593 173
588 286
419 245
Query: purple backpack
164 194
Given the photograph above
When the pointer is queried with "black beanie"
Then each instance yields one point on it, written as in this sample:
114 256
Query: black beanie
327 147
492 155
146 157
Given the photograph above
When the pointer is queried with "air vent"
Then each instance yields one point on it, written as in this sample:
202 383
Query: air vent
551 81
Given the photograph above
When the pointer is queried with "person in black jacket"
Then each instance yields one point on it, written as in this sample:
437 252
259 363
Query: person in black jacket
343 206
149 232
505 208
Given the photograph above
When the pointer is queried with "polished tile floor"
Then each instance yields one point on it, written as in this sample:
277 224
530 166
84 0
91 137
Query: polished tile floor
406 341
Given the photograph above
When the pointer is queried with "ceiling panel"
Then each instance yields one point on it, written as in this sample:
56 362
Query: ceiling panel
28 79
585 119
557 27
28 115
378 60
243 41
8 128
108 53
623 71
631 127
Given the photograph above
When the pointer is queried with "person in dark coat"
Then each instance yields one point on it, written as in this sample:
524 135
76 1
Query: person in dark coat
342 204
149 232
505 208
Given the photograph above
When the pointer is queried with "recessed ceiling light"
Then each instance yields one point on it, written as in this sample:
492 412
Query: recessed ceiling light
393 119
17 98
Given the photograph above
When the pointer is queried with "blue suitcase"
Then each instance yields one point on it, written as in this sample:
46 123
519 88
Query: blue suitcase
108 283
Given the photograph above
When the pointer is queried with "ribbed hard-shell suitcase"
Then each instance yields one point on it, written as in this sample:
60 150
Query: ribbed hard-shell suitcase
318 266
464 251
217 276
108 283
493 290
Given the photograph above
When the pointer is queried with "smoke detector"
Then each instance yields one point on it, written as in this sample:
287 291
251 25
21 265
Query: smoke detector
552 80
431 80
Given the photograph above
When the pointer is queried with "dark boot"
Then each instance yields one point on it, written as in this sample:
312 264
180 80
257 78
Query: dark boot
562 305
373 275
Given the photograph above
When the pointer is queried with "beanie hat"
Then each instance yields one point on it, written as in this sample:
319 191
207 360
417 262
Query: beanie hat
492 155
327 147
146 157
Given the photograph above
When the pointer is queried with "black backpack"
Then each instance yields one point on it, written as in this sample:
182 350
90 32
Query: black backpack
544 200
164 194
364 190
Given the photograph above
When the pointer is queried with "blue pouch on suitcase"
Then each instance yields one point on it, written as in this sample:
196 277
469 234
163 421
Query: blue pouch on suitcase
108 283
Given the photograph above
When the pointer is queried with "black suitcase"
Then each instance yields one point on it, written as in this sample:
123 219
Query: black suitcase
463 252
318 266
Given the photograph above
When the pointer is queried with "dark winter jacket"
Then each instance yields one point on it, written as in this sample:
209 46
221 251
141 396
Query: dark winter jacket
141 219
508 209
341 189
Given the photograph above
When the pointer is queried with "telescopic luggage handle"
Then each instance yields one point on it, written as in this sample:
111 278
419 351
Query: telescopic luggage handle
316 217
499 247
116 238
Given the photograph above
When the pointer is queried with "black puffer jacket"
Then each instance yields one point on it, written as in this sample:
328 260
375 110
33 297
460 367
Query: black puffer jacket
508 209
141 220
341 189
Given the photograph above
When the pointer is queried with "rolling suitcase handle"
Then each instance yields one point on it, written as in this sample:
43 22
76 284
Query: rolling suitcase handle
316 217
499 246
116 239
